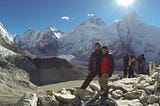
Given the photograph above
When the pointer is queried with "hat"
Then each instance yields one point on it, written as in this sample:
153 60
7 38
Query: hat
105 47
97 43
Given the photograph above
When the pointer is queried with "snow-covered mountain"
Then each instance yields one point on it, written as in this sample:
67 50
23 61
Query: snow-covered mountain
128 34
136 37
39 42
4 34
79 41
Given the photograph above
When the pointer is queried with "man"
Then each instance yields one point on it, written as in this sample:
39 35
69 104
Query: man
93 66
107 67
125 64
131 65
143 64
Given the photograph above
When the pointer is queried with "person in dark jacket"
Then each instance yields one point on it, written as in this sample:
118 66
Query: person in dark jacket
141 64
125 64
93 67
107 67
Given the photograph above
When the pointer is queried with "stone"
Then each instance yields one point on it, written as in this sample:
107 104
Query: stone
126 84
84 94
150 88
117 94
153 99
155 104
49 92
67 98
115 77
47 101
152 66
95 87
133 95
29 99
134 102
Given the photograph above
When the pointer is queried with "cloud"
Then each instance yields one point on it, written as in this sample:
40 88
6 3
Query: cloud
65 18
90 15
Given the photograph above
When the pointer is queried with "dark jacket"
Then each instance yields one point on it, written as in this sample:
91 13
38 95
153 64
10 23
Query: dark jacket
125 61
94 62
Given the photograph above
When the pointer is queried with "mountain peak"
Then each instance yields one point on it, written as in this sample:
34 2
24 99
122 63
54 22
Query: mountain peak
5 34
50 28
132 16
2 29
95 20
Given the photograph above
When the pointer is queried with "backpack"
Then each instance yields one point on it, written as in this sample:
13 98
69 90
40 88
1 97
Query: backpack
131 63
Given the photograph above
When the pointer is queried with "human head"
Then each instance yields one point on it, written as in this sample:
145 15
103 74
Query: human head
97 46
132 56
125 53
105 50
142 55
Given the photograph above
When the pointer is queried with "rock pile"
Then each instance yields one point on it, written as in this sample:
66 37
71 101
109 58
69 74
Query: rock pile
138 91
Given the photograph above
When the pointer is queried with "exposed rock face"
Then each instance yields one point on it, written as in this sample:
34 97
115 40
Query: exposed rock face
52 70
47 70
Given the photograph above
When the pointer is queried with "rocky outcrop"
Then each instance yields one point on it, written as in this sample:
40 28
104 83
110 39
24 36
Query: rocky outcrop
52 70
46 70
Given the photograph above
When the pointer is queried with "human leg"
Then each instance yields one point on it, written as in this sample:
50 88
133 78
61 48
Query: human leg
88 79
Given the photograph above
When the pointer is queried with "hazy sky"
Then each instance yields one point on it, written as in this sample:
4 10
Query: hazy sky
19 15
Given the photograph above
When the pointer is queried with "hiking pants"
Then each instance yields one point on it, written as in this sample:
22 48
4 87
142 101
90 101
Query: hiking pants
131 73
125 72
103 81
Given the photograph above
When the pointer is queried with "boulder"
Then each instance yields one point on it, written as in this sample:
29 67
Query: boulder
49 92
150 88
125 84
29 99
84 94
117 94
115 77
133 95
67 98
95 87
155 104
153 99
134 102
47 101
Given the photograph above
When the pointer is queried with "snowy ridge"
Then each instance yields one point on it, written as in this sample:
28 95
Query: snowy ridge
79 40
5 34
128 34
39 42
4 52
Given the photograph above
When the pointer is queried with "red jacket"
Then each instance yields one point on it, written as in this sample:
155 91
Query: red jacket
105 65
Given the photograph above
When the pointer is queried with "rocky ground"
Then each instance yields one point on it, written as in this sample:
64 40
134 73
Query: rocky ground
17 90
17 72
138 91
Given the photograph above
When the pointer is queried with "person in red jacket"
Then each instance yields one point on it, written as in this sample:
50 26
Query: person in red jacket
107 66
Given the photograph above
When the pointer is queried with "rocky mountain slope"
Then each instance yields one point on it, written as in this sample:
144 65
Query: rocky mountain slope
20 71
4 34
